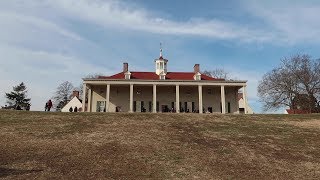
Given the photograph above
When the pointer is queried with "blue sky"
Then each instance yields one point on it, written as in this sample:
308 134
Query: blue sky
44 43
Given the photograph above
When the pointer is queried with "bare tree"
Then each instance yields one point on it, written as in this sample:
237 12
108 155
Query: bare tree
296 83
63 93
277 89
217 73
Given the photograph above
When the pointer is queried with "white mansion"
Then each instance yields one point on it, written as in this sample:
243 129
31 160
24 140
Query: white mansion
162 91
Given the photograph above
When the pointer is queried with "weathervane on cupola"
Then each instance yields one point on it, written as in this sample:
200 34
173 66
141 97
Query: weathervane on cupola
161 51
161 64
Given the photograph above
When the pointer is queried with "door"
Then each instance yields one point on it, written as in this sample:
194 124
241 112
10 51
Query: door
164 108
138 106
189 107
100 106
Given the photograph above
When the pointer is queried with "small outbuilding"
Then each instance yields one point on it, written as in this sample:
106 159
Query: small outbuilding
244 106
74 102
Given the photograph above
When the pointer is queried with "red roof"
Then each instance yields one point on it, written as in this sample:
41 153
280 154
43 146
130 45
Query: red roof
154 76
297 111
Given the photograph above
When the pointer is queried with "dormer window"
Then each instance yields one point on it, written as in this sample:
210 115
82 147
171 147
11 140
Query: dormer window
127 75
162 77
197 76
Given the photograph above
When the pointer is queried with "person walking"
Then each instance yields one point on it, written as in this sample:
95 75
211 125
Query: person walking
46 107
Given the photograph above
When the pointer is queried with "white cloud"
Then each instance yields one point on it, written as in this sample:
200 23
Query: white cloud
116 14
290 21
281 23
41 71
14 21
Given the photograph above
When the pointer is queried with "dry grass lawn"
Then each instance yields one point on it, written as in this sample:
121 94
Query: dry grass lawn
41 145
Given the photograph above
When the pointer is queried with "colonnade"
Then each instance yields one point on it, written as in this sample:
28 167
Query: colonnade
154 98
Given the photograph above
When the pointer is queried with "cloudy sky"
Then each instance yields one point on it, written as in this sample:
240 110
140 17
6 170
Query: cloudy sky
46 42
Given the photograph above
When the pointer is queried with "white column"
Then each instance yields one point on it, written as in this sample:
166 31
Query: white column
200 99
107 97
84 89
131 98
245 98
154 99
177 99
89 99
223 100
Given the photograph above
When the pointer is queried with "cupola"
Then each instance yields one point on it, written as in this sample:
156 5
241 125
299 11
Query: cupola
161 64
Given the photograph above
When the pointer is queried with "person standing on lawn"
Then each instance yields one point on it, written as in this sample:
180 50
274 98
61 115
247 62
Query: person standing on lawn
49 105
46 107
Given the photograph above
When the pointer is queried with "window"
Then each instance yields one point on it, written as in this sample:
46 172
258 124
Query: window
161 65
134 106
209 91
127 75
100 106
193 106
162 77
157 65
142 107
158 104
197 76
185 106
150 106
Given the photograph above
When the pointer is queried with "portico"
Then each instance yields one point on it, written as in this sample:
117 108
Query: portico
150 96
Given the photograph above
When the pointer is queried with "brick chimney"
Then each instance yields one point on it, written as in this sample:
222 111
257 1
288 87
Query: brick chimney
196 68
75 94
125 67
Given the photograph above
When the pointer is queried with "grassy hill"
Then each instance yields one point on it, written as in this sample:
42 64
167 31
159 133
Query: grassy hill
158 146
